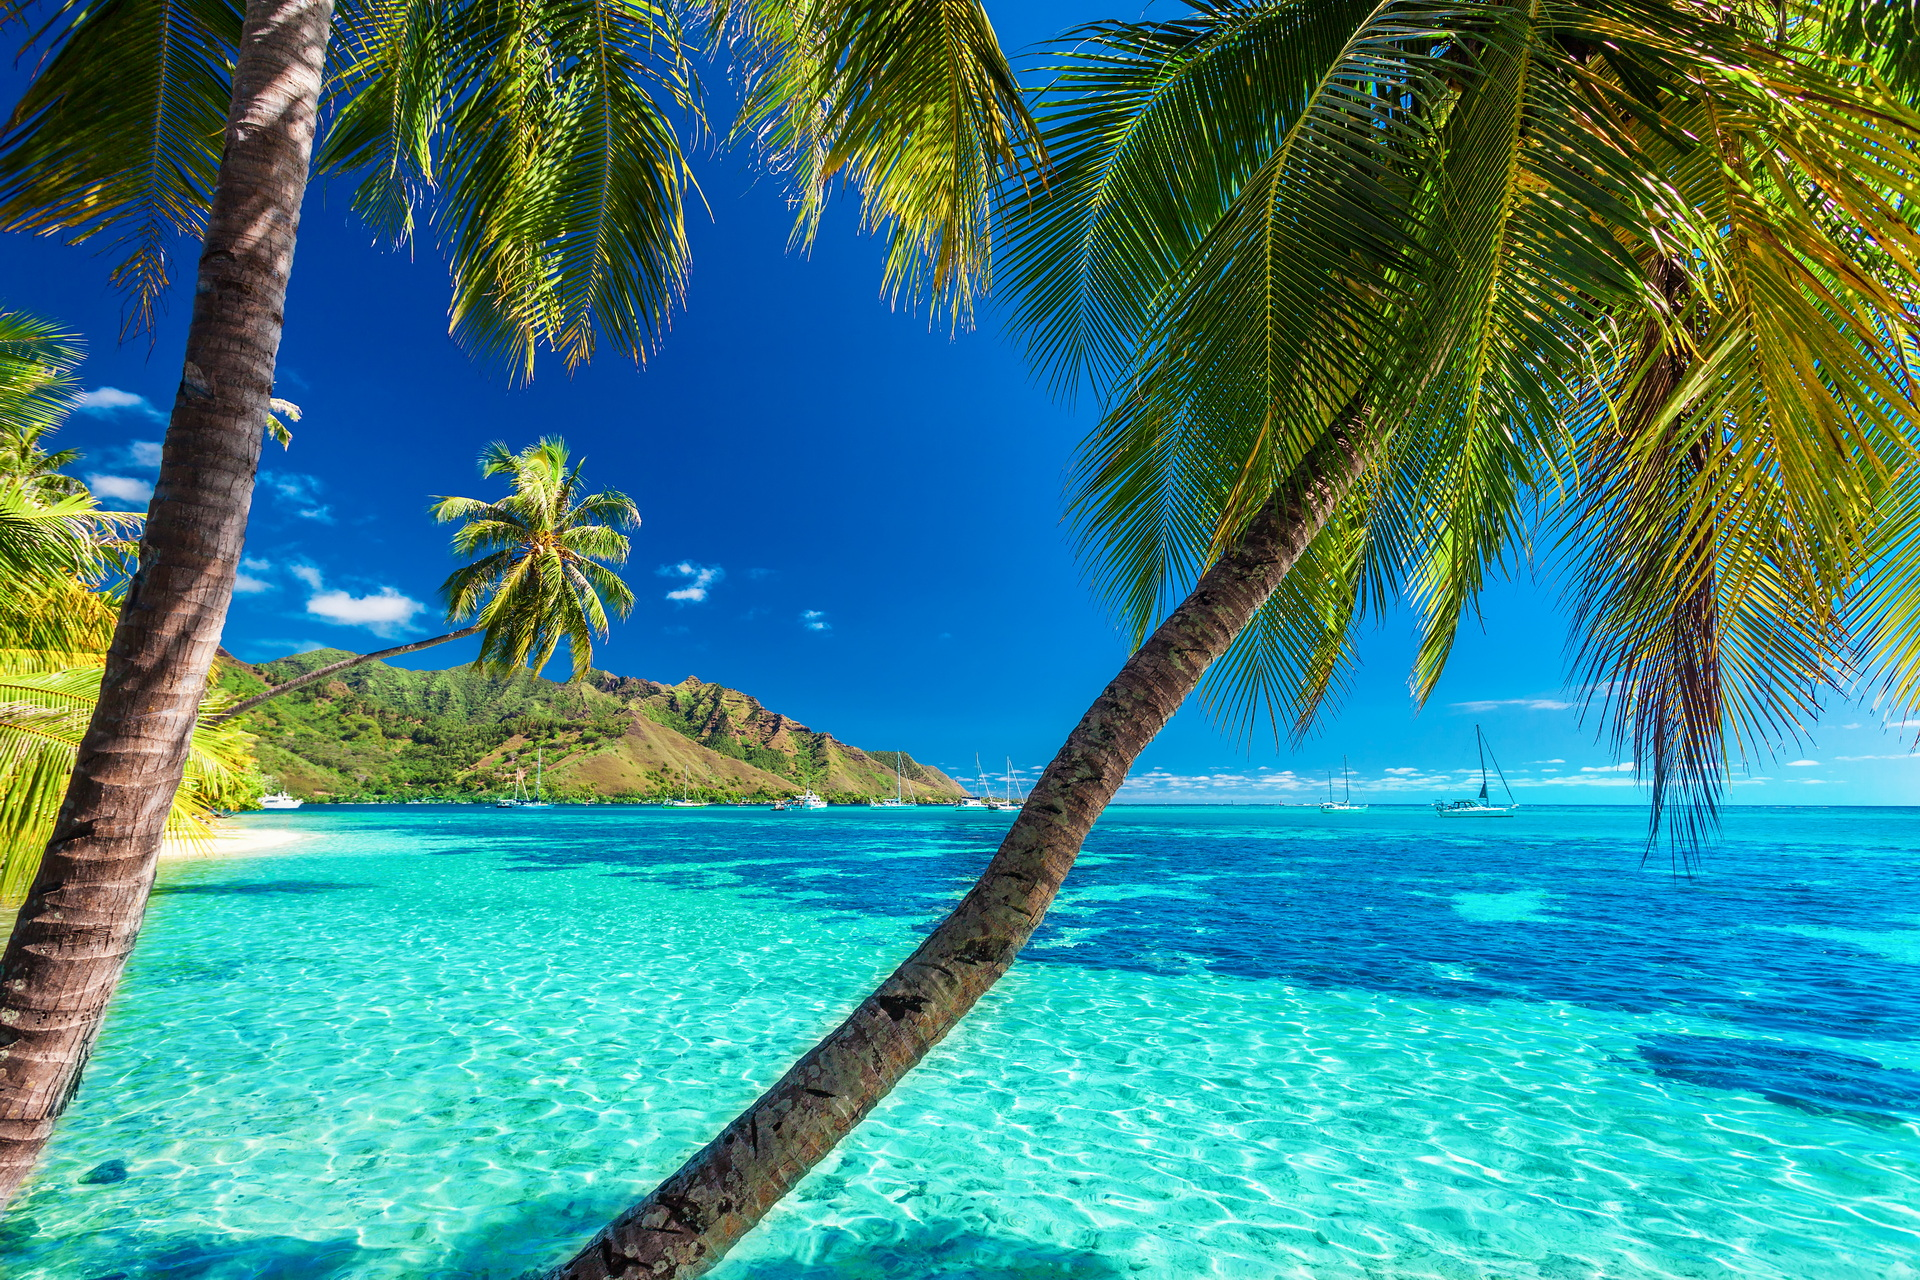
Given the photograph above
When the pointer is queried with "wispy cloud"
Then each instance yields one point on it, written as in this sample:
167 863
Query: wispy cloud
1553 761
307 574
301 492
121 488
385 613
248 585
144 454
815 620
114 400
255 563
1902 724
1524 704
699 579
1803 764
1901 755
1625 766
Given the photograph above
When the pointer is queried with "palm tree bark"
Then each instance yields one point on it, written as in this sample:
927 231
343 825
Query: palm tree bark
80 918
692 1219
334 668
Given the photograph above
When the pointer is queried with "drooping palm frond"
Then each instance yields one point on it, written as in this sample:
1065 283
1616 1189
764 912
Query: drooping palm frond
58 538
540 577
911 103
120 132
46 702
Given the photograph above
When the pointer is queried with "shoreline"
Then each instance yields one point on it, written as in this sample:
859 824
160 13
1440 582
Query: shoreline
229 841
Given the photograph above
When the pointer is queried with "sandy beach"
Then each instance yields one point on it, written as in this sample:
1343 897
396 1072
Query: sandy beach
232 840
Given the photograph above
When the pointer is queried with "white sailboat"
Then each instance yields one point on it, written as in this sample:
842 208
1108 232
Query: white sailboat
896 800
539 799
1346 804
979 801
1010 804
686 800
1480 806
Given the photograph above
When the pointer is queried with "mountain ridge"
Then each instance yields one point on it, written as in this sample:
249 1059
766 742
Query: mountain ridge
379 732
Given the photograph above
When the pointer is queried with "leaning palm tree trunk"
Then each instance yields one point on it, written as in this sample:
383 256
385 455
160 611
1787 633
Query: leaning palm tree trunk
81 914
692 1219
345 664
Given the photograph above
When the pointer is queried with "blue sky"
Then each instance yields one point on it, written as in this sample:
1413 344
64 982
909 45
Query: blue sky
847 514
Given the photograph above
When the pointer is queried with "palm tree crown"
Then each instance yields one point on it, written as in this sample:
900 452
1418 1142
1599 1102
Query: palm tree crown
541 577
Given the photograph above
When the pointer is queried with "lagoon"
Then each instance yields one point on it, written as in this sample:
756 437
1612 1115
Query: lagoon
437 1042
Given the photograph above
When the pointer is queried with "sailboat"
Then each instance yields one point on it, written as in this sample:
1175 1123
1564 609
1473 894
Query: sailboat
979 801
686 801
1480 806
539 800
896 800
1346 804
1009 805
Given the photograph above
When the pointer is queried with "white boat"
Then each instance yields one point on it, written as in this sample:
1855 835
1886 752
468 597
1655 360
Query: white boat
1012 804
1345 804
686 800
280 800
896 800
979 801
807 800
1480 806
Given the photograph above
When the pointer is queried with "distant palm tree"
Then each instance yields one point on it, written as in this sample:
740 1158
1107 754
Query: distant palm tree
37 389
541 577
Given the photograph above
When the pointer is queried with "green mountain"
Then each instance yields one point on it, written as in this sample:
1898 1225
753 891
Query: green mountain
377 732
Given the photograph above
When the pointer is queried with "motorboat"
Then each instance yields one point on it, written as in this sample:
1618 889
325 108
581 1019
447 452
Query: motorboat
280 800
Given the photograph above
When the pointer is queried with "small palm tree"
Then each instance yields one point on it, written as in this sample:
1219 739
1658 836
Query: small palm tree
542 575
37 361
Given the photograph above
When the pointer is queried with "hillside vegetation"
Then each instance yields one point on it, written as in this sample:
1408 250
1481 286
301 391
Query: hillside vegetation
379 732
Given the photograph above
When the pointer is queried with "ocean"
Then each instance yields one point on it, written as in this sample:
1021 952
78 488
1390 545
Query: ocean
444 1041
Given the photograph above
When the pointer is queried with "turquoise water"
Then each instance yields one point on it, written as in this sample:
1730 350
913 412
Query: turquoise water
448 1042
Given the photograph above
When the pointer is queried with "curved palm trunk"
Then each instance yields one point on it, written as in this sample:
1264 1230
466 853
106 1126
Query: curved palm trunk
81 915
333 668
693 1218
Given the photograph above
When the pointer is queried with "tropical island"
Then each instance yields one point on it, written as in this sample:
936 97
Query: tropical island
382 733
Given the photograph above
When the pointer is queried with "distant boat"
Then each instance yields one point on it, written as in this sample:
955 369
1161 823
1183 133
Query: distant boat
280 800
896 800
807 800
979 801
686 800
1010 804
1480 806
1346 804
539 800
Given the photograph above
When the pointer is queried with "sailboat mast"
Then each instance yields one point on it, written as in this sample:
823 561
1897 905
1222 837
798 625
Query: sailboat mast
1346 783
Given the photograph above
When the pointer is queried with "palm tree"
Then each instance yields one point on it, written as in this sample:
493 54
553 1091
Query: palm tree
541 580
538 138
37 385
1361 284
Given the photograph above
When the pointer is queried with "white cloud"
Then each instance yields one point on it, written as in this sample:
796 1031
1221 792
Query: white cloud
815 620
1525 704
384 613
699 578
255 563
112 399
248 585
121 488
1401 770
1902 724
1625 766
144 454
1803 764
1553 761
1849 726
307 574
1896 756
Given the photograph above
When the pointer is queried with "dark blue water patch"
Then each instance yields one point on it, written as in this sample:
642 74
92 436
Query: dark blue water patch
1815 1080
1279 896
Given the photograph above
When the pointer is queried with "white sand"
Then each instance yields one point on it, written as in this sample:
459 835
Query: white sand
231 840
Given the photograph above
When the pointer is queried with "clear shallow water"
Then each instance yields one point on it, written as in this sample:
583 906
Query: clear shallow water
447 1042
